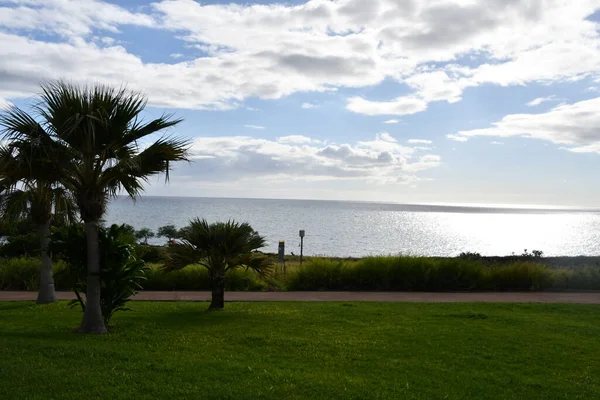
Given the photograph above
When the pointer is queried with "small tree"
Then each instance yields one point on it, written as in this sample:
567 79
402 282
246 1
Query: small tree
168 231
97 141
144 234
29 190
121 274
219 247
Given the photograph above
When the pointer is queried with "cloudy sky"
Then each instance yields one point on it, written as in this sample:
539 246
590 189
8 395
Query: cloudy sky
410 101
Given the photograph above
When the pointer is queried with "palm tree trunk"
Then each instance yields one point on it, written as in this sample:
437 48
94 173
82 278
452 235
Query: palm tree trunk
218 293
47 293
93 322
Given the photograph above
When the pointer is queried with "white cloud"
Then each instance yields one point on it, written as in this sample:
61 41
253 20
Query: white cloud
274 50
106 40
401 106
176 55
386 137
254 126
457 138
591 148
540 100
296 139
301 158
391 121
417 141
576 124
309 105
497 143
68 18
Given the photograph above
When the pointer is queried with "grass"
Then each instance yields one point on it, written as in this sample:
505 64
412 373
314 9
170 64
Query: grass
304 351
393 273
402 273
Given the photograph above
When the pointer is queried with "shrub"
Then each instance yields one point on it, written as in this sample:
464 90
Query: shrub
427 274
121 274
150 254
580 278
373 273
318 274
469 256
521 275
23 273
195 277
26 245
20 273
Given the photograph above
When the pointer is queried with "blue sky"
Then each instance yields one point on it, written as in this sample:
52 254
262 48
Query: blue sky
448 101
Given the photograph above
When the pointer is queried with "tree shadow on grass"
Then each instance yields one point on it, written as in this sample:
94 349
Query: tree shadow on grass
188 317
184 319
67 334
10 305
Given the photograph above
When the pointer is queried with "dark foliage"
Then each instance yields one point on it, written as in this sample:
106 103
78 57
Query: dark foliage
121 274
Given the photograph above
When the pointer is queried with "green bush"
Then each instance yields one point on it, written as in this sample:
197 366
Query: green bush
121 273
23 273
437 274
20 273
373 273
579 278
195 277
318 274
150 254
25 245
521 275
386 273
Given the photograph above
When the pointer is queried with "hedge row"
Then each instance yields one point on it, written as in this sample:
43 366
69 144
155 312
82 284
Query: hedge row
373 273
435 274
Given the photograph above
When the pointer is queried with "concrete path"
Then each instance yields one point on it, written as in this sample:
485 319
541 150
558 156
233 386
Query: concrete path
515 297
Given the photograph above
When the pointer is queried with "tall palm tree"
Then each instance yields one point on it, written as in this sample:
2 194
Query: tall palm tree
41 200
97 140
219 247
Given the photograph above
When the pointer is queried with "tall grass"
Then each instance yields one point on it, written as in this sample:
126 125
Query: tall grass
23 273
437 274
195 277
373 273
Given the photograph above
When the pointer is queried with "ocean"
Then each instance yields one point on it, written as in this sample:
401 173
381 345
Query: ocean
356 229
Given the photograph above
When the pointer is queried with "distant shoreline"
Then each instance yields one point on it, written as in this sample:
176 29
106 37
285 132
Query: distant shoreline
408 207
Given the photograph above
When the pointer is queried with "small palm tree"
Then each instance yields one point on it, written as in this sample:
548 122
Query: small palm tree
99 144
219 247
29 190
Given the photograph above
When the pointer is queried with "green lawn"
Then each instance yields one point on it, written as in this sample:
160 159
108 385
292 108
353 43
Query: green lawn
304 351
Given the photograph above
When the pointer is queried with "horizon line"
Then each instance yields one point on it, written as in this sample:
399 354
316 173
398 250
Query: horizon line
542 207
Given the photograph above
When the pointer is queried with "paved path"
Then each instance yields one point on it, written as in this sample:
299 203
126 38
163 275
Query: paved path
517 297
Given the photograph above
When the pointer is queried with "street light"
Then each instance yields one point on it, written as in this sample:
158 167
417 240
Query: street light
301 244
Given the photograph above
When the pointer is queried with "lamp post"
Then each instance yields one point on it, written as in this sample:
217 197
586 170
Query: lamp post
301 245
282 255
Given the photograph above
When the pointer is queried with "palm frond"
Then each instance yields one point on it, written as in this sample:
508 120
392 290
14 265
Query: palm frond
180 255
15 205
17 124
90 137
129 174
221 245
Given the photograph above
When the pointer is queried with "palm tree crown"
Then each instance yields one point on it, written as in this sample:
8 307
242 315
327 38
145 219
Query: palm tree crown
219 247
29 189
95 139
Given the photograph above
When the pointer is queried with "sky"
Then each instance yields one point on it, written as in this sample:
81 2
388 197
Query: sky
405 101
